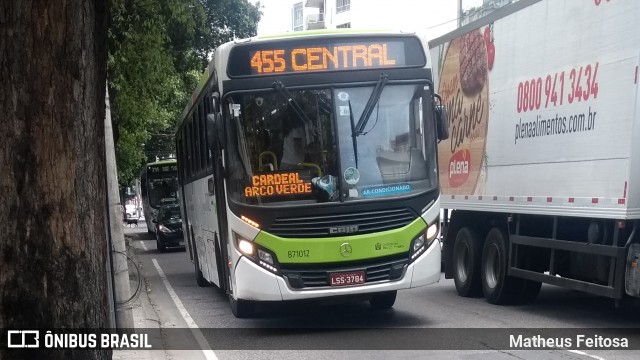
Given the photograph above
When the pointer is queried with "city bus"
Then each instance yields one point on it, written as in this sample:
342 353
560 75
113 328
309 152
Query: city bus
307 168
158 186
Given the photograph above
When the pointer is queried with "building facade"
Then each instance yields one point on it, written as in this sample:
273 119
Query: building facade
431 16
488 6
398 14
321 14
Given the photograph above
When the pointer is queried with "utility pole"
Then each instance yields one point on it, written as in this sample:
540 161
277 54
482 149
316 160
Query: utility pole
122 289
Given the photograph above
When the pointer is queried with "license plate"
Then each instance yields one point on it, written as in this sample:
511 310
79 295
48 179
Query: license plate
346 278
181 242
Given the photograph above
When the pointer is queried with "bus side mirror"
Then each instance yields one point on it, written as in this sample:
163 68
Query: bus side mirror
442 122
442 119
214 102
211 129
214 129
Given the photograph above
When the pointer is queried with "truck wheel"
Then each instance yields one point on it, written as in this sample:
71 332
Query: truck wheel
383 301
467 253
498 287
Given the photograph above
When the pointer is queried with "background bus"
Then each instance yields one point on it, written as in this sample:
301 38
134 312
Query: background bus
158 186
307 169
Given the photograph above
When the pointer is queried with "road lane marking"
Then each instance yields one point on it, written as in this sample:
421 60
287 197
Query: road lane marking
144 247
204 345
585 354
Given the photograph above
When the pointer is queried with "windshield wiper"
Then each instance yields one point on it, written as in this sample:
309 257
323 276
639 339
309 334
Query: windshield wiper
278 85
354 136
368 109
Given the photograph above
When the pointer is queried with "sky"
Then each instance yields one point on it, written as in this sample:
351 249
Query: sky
435 17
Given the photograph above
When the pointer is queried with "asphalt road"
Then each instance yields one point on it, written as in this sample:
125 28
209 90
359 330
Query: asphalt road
422 319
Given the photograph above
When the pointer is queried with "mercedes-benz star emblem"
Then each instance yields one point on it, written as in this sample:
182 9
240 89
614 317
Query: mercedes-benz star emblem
345 249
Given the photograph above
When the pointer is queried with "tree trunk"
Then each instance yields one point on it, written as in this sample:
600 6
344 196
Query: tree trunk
52 169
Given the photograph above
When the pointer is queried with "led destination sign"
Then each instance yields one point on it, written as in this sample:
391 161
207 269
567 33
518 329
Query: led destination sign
313 55
327 58
277 184
163 169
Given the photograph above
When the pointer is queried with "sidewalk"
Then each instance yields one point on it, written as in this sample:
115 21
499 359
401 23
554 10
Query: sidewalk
144 315
147 314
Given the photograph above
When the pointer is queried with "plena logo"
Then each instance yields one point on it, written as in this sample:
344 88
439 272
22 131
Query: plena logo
459 167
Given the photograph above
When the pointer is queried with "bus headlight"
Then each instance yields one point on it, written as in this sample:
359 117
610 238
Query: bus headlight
432 231
164 229
423 241
245 247
257 254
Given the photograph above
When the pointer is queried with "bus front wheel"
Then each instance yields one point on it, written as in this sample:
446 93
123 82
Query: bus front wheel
239 307
383 301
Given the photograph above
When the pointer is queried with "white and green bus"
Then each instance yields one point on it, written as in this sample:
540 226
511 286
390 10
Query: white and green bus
158 186
307 168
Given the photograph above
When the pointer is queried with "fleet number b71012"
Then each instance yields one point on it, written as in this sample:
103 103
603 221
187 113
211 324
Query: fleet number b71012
292 254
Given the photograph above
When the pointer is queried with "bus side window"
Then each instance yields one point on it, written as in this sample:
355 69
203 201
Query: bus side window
143 184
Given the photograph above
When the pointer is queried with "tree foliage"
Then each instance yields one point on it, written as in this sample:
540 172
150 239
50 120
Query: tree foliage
158 49
229 19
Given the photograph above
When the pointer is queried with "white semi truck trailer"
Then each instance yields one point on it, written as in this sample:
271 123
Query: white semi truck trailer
540 175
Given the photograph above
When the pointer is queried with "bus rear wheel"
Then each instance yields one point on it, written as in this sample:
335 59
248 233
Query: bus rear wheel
383 301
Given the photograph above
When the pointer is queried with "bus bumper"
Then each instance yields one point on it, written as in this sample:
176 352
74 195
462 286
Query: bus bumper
262 285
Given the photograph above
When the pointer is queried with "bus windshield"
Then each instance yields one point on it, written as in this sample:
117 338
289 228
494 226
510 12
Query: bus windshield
308 146
163 188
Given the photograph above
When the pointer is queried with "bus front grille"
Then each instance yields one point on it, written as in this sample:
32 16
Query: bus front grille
335 225
319 277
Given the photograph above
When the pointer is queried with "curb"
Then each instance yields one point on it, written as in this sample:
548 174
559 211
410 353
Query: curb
144 315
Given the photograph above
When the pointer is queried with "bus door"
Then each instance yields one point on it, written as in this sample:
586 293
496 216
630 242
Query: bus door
215 199
211 220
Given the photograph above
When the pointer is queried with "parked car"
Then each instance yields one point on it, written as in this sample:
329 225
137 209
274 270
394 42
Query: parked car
168 224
